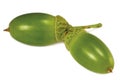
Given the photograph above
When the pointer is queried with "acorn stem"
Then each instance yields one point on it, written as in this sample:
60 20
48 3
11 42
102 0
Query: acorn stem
91 26
6 30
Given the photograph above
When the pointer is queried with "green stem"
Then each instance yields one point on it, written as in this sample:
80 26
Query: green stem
90 26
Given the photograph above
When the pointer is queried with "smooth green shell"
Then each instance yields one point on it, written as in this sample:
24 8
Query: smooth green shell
91 52
34 29
38 29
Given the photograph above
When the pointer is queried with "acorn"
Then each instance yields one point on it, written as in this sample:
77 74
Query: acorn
89 51
37 29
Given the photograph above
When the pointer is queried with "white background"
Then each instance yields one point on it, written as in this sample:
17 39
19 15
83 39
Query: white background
22 62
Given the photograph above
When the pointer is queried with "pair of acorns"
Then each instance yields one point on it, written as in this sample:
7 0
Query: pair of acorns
41 29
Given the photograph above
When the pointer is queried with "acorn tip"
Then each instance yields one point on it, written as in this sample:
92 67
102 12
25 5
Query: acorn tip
6 30
110 70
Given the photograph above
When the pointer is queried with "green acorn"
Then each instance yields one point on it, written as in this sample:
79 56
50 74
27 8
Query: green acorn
89 51
40 29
